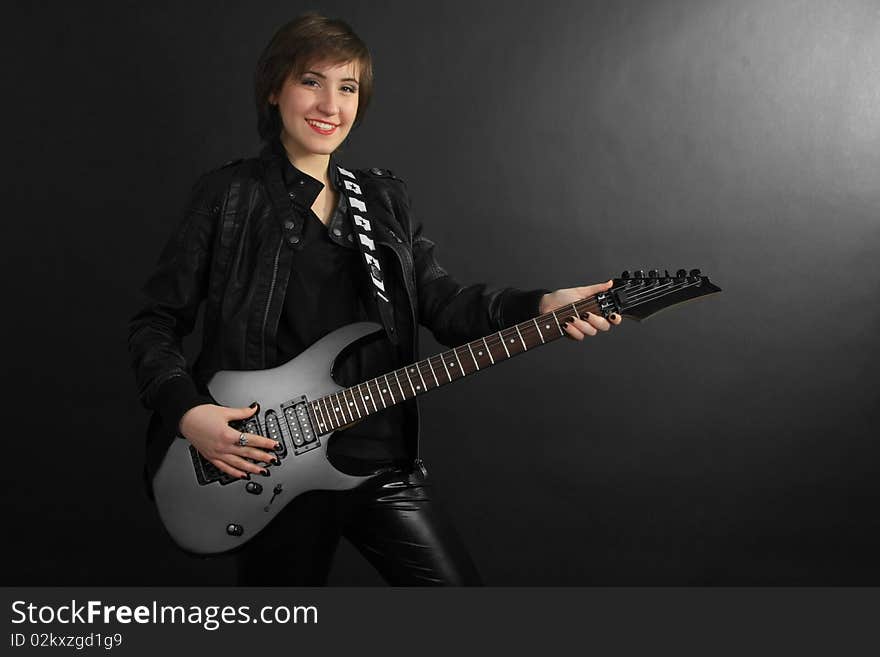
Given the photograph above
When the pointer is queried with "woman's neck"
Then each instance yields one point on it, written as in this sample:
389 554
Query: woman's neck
313 164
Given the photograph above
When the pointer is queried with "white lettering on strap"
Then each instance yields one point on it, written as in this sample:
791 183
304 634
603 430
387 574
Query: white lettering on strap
363 223
352 187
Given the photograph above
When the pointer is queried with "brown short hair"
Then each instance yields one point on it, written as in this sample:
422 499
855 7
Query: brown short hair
306 40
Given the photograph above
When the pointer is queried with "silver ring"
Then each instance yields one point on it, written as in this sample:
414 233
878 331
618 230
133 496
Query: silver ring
242 440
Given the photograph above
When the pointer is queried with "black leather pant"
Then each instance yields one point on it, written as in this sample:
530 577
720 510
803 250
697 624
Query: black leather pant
392 520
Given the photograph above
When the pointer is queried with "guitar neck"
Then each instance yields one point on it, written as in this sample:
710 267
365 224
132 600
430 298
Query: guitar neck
636 297
357 402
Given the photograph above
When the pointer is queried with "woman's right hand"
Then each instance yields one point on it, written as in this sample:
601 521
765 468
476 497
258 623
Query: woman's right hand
207 427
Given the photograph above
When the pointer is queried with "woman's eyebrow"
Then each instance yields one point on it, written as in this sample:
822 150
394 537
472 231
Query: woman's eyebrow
321 75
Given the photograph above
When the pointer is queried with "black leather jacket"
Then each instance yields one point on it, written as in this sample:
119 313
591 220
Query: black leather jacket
233 249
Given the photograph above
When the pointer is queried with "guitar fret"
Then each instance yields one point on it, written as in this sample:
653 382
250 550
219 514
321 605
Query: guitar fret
432 372
333 418
410 382
352 391
316 409
389 389
491 359
364 400
474 357
379 390
540 335
349 404
460 366
521 338
372 397
353 402
397 378
448 375
334 421
561 332
503 345
419 370
340 408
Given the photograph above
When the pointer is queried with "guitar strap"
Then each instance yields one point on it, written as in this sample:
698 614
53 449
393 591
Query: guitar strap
366 242
360 223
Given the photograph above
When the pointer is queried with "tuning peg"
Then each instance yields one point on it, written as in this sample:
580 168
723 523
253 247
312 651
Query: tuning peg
624 274
695 272
667 274
681 273
640 274
653 274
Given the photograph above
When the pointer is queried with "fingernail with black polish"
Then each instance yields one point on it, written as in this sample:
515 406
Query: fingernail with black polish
265 473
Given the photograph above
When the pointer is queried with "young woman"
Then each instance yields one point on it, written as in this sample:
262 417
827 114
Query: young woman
270 245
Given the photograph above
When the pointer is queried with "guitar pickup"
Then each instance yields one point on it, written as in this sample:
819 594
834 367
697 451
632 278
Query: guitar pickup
302 433
273 431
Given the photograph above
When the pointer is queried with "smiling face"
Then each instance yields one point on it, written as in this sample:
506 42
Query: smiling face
317 108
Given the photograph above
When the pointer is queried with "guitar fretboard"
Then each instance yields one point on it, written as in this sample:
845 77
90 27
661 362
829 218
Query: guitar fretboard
357 402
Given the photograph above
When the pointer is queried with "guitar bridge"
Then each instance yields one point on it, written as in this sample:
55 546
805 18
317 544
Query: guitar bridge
207 472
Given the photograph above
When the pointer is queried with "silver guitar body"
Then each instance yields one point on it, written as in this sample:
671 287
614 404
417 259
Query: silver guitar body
210 518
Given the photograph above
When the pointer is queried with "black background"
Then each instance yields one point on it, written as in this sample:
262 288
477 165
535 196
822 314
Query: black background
545 144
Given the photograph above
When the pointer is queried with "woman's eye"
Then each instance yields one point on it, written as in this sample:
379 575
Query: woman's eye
349 89
309 81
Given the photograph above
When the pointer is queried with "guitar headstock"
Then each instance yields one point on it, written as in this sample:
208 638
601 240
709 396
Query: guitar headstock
638 295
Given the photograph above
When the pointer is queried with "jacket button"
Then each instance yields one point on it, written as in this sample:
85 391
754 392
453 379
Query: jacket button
291 195
350 237
293 239
289 224
337 232
377 172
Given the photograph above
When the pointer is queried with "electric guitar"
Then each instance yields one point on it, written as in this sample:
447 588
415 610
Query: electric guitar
207 511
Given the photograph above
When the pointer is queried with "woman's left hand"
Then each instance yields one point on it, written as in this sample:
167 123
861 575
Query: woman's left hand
575 327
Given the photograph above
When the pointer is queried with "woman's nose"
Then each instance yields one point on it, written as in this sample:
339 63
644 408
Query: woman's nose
328 103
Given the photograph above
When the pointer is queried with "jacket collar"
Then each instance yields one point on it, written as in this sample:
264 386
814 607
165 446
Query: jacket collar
273 151
291 188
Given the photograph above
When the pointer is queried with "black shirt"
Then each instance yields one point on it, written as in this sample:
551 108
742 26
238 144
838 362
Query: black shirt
327 289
